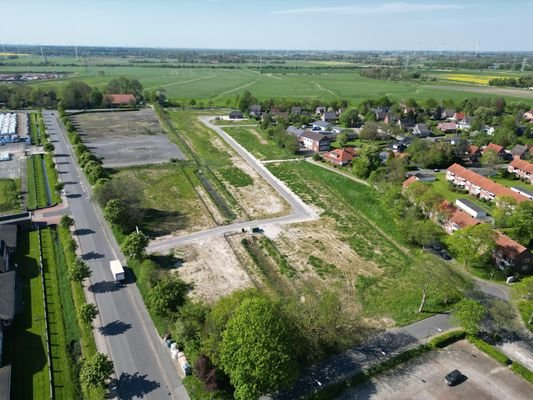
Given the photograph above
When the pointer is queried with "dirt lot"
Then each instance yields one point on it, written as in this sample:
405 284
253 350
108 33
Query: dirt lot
422 378
126 138
12 169
214 270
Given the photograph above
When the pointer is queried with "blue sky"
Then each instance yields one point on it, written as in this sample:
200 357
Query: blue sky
272 24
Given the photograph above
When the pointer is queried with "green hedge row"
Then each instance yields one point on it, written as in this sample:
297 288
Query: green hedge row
489 350
523 371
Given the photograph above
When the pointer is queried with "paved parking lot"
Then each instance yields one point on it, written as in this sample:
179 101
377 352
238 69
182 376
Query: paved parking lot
126 138
12 169
422 379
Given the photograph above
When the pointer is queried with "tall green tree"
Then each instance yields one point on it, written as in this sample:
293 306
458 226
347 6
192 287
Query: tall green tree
473 245
469 313
256 350
134 245
87 312
167 296
96 371
116 213
79 271
521 223
350 118
367 161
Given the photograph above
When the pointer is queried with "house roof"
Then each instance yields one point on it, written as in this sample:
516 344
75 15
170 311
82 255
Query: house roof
459 116
8 233
485 183
472 149
330 115
7 295
496 147
412 179
120 98
293 130
343 155
518 150
421 127
314 136
522 165
322 124
235 113
508 246
447 126
5 382
471 205
255 108
462 219
528 192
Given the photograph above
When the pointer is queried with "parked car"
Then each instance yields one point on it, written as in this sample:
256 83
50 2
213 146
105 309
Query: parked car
453 378
445 255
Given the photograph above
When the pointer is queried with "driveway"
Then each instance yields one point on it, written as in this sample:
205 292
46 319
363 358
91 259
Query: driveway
422 378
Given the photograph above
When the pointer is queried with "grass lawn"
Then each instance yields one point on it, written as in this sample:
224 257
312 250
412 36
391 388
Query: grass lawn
9 193
512 182
37 195
35 132
170 201
366 225
52 178
258 143
25 343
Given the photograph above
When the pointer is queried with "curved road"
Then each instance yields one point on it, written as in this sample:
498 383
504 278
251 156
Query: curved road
143 367
300 211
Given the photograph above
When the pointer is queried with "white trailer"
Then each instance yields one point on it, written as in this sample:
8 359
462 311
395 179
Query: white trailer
117 270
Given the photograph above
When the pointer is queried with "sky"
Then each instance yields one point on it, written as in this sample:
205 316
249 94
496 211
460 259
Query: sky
489 25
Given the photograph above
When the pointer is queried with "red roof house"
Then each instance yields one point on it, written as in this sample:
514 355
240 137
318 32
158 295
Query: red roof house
340 156
120 99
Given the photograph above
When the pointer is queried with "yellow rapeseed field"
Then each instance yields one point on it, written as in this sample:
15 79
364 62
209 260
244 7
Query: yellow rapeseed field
478 79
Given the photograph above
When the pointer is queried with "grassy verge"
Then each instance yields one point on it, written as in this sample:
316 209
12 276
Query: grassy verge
62 318
258 143
36 135
525 307
525 373
25 344
9 192
365 224
37 197
87 345
53 178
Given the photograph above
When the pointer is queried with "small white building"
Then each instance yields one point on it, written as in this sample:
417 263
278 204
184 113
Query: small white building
470 208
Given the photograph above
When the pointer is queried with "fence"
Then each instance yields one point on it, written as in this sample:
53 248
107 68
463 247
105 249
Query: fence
46 320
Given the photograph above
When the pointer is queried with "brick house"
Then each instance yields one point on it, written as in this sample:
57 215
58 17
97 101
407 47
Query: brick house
521 168
315 141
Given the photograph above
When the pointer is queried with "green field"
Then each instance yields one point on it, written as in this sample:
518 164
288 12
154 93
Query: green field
26 343
9 192
220 85
365 224
258 143
37 190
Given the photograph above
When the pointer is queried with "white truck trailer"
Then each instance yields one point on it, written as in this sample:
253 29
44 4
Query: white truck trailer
117 270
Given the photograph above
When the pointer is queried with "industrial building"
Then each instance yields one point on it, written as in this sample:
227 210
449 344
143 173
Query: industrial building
8 128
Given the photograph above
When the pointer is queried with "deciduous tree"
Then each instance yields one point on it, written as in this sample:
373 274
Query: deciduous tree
88 312
134 245
469 313
95 371
473 245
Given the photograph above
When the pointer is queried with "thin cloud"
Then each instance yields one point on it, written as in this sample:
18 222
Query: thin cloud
385 8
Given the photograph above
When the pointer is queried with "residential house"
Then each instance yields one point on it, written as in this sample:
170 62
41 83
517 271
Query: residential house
296 110
391 119
453 140
447 114
519 151
120 100
315 141
447 127
522 169
295 131
340 157
329 116
458 116
277 115
236 115
478 185
465 123
409 181
421 130
528 115
255 110
473 153
457 220
8 243
406 124
380 112
398 147
320 110
470 208
511 254
321 126
499 150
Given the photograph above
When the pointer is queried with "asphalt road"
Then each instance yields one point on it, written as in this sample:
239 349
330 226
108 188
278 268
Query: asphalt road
143 365
299 210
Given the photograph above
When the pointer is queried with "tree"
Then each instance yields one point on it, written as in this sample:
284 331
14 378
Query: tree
350 118
59 186
473 245
246 101
79 271
502 213
256 349
469 313
134 245
523 293
370 131
167 296
367 161
48 147
87 312
124 85
94 171
76 94
490 158
66 221
420 232
115 212
95 371
521 223
342 139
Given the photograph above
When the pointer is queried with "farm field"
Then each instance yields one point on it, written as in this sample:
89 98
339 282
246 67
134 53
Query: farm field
220 85
258 143
386 276
9 190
